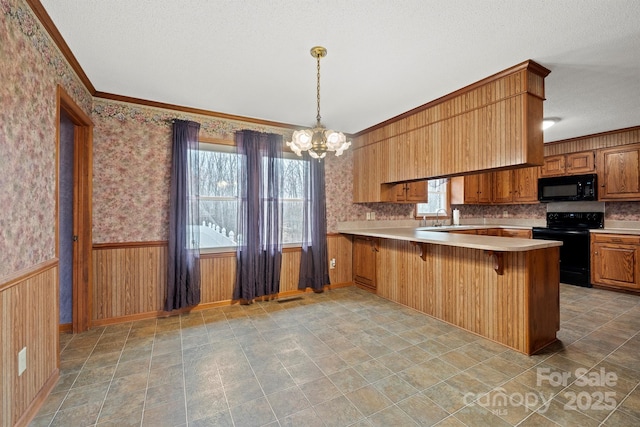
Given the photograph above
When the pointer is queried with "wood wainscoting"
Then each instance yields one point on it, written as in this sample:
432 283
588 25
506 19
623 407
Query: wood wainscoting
28 319
129 278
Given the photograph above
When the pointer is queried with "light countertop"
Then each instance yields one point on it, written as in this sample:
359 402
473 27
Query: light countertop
429 235
633 231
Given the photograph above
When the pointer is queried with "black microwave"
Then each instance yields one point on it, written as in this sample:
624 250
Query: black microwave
568 188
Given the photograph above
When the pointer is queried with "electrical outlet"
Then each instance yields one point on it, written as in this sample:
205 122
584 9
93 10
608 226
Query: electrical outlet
373 215
332 263
368 216
22 361
505 214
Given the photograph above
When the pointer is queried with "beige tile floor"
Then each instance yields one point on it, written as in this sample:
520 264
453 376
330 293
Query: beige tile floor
347 357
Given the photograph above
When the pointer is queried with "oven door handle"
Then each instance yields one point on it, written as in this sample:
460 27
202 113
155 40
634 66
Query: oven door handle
556 232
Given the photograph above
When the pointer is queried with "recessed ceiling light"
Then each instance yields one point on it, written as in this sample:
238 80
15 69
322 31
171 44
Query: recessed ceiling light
549 121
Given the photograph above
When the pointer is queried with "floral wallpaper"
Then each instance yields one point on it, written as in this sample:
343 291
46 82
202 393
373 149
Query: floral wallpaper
131 167
31 67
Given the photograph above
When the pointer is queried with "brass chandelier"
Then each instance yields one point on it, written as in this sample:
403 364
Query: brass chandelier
318 140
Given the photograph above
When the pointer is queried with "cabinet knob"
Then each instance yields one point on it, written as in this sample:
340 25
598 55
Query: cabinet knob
595 253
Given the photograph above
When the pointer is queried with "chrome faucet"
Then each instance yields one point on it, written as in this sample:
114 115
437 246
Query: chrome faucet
438 215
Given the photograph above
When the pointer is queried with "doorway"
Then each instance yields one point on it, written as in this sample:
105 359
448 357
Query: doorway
73 225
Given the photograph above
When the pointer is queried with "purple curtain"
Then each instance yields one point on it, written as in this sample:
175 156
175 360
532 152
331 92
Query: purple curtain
183 271
259 252
314 266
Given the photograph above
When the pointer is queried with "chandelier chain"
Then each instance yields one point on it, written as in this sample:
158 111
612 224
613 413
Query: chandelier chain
318 91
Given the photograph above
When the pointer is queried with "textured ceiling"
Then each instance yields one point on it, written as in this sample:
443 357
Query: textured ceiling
251 58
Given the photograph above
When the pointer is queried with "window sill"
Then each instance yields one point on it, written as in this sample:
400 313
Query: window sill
229 249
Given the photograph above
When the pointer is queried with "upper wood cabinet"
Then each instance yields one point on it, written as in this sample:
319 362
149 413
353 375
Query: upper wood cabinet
491 124
619 173
525 185
471 189
503 187
410 192
615 261
569 164
369 171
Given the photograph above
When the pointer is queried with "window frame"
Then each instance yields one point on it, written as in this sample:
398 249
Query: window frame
215 144
447 207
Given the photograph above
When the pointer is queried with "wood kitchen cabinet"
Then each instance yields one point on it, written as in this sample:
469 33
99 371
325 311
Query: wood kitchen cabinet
502 187
365 251
619 173
411 192
615 261
369 170
525 185
471 189
582 162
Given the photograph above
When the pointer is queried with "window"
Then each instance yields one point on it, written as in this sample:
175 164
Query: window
219 201
438 198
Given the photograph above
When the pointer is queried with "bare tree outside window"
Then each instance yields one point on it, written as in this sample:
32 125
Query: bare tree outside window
219 201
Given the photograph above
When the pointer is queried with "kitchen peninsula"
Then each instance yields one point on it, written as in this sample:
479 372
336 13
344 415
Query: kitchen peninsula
504 289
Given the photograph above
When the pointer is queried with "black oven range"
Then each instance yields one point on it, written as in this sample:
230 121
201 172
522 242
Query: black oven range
572 229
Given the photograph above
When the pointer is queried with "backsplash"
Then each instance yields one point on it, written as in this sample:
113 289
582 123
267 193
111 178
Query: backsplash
614 211
534 211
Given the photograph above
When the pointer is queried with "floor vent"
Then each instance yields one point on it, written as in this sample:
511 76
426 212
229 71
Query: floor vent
289 299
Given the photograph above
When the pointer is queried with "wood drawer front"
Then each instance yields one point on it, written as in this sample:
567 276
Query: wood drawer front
523 234
615 238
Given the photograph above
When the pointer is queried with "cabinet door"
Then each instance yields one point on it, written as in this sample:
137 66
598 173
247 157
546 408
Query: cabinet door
582 162
525 185
619 173
471 188
364 261
502 187
484 187
553 166
418 192
615 265
400 192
